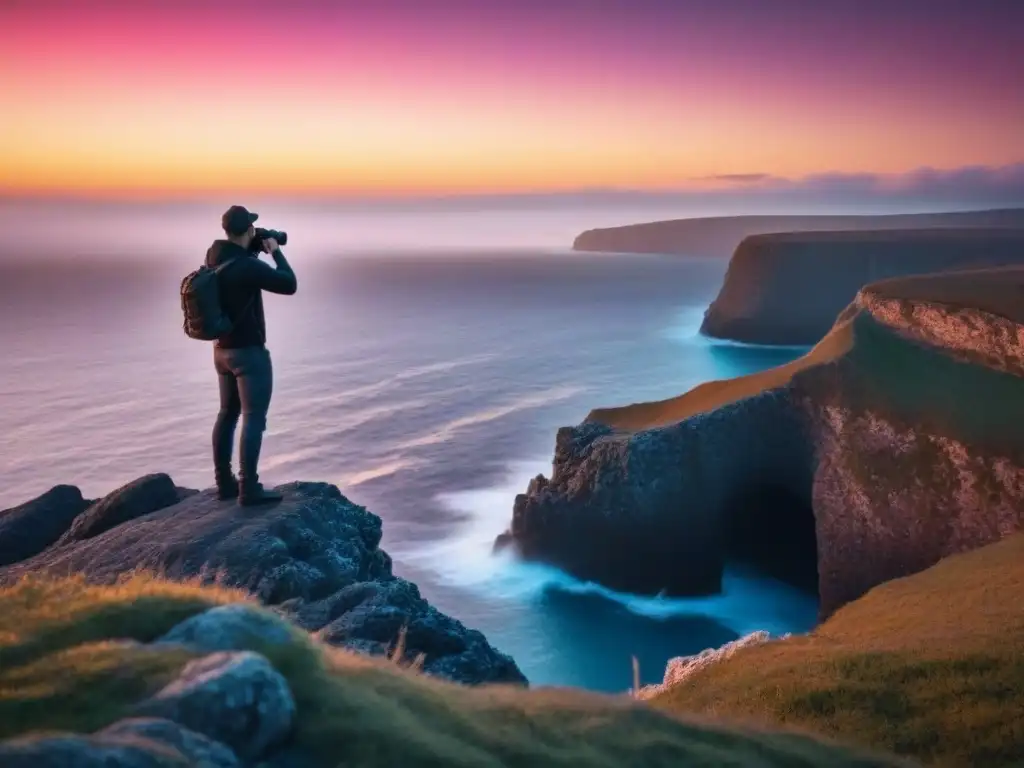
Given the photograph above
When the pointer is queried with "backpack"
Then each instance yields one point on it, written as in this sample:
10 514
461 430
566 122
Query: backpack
205 318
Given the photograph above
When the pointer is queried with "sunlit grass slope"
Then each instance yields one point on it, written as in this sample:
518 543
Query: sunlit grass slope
930 666
65 664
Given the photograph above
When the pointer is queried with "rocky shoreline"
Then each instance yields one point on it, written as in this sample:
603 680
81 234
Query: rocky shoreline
314 559
889 447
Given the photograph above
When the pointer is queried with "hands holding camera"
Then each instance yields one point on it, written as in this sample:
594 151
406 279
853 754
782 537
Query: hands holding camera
270 245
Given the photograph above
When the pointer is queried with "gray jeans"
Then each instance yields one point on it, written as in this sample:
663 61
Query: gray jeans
246 380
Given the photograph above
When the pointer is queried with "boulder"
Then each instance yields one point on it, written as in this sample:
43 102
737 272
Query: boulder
28 529
370 616
133 500
233 627
132 743
237 698
196 748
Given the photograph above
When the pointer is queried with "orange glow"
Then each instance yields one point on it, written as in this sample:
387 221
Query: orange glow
130 103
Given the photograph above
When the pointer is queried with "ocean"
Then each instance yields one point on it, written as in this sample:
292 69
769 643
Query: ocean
427 385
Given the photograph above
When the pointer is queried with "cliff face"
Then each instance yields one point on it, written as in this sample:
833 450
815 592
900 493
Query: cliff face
719 236
894 443
788 288
641 511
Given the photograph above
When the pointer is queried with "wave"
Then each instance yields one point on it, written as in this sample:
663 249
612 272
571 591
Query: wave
448 430
748 601
714 342
388 467
301 419
686 331
318 397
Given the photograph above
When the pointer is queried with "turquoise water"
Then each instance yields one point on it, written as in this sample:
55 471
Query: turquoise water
428 387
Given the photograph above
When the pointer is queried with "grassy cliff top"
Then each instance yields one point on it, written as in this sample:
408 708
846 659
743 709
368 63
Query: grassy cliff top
66 664
930 666
719 235
997 291
714 394
902 235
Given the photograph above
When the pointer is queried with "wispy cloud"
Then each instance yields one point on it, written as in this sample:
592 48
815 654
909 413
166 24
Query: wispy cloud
971 178
974 185
739 178
967 185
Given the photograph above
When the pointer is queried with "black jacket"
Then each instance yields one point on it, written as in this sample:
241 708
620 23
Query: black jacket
241 291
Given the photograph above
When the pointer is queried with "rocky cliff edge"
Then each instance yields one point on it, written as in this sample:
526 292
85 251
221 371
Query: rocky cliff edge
314 558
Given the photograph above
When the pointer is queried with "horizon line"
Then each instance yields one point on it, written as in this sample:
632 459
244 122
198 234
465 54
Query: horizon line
714 184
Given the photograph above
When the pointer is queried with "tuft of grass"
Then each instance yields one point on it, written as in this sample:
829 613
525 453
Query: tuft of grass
72 654
43 615
73 657
397 654
930 666
82 688
373 714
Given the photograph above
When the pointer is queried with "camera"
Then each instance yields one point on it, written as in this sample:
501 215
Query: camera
262 234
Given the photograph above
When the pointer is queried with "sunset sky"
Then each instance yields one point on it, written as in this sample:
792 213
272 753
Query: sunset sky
178 98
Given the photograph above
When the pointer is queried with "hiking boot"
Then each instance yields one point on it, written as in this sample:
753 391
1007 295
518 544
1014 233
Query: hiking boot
253 495
227 488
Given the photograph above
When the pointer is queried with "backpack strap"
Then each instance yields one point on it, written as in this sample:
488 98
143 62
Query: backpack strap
224 264
220 268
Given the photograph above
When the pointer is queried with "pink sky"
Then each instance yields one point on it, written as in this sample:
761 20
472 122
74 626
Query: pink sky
173 98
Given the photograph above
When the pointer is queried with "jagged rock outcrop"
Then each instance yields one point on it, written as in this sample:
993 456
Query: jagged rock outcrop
314 558
194 747
135 499
234 698
719 236
681 668
132 743
894 443
659 492
29 528
788 288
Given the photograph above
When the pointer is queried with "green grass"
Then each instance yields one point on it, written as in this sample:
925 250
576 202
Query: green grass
938 394
930 666
66 664
64 658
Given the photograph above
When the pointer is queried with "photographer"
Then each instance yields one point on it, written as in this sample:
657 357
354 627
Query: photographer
240 356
